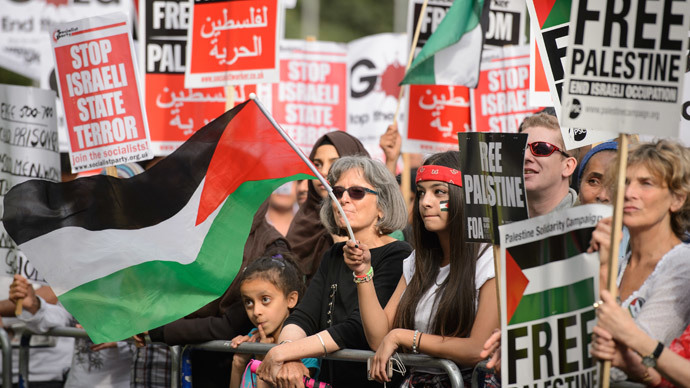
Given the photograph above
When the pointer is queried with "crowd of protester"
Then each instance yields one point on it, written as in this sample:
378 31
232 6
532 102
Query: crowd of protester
309 288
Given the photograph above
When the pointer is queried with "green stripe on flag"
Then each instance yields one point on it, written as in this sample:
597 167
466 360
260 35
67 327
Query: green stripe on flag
560 14
554 301
461 18
176 285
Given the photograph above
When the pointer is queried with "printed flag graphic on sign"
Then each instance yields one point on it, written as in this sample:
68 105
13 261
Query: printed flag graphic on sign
125 256
452 54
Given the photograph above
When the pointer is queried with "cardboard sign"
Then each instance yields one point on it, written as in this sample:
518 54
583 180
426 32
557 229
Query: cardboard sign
233 43
500 102
436 114
28 150
505 24
548 286
493 182
310 99
376 65
625 73
25 48
176 112
552 19
100 93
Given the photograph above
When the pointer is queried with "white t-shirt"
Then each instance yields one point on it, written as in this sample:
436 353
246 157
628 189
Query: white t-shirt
426 308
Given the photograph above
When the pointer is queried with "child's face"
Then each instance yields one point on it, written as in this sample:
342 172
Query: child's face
266 304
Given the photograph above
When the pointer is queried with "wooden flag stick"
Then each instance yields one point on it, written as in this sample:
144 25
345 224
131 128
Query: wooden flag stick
497 269
405 174
616 231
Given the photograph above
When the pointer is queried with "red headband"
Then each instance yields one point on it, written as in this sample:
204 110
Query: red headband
439 173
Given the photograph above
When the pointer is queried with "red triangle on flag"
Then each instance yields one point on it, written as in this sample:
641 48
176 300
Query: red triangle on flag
516 283
542 8
250 149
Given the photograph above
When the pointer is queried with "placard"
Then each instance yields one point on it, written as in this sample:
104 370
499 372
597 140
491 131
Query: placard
500 102
28 150
493 182
175 112
548 286
625 73
233 43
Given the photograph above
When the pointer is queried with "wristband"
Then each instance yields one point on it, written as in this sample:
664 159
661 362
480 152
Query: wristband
364 278
414 342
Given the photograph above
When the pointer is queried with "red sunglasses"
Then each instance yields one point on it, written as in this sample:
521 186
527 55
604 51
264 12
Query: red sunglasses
355 192
543 149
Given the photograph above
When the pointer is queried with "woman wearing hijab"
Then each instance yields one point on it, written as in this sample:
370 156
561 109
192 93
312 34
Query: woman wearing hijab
308 238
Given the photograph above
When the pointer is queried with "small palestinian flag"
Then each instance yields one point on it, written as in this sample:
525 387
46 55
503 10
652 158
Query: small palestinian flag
444 206
127 255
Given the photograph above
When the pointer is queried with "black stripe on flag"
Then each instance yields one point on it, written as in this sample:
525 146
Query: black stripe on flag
551 249
37 207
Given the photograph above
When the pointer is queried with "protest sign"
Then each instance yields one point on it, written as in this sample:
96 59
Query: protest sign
548 286
28 150
25 46
233 43
100 92
500 101
626 66
435 114
552 19
376 66
493 182
505 24
310 99
685 112
177 112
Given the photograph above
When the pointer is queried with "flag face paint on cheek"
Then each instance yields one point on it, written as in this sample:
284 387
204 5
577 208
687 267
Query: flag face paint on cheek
444 206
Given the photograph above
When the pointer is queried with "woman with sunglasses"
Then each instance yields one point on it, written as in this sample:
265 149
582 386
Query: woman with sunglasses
327 319
654 277
547 166
307 236
445 302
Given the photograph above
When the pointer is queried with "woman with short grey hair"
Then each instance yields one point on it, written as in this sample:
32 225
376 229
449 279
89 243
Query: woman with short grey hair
327 319
389 199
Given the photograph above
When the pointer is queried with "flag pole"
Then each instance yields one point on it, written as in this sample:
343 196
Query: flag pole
616 231
405 173
306 160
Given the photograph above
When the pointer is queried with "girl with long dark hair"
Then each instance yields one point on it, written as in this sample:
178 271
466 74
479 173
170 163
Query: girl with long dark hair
445 302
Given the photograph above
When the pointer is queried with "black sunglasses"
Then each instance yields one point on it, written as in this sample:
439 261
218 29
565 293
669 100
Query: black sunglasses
543 149
355 192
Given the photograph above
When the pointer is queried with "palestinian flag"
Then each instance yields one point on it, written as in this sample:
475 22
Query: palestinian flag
452 54
550 277
125 256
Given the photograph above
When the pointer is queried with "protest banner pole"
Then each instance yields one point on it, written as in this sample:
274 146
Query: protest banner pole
405 174
229 97
616 231
497 272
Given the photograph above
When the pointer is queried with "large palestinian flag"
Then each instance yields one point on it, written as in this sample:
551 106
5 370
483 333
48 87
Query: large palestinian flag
125 256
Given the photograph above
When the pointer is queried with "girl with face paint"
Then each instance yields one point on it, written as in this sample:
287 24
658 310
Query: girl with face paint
445 302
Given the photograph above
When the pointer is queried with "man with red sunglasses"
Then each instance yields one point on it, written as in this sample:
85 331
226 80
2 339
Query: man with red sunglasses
548 166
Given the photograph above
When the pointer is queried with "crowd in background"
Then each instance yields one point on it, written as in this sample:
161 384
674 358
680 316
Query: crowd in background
409 281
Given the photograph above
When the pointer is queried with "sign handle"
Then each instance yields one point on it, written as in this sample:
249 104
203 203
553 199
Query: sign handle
616 232
497 269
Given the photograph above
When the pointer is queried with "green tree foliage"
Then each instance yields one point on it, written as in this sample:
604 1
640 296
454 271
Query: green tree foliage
344 20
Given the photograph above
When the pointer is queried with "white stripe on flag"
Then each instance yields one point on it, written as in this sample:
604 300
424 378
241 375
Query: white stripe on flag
457 64
89 257
562 273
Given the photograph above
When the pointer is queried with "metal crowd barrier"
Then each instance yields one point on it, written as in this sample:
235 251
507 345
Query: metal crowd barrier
219 346
346 355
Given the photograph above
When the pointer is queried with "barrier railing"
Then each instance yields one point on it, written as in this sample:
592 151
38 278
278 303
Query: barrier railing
219 346
346 355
